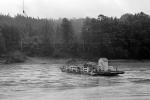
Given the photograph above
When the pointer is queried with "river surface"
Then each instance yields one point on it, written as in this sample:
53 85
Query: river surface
47 82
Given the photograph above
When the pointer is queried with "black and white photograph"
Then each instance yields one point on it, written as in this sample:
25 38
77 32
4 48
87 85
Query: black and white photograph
74 49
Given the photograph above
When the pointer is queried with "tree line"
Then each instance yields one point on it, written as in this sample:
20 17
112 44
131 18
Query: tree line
127 37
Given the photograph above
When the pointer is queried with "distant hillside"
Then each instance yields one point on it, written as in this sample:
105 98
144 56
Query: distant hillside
127 37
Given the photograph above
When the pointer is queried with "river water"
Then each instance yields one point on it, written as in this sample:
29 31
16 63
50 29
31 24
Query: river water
47 82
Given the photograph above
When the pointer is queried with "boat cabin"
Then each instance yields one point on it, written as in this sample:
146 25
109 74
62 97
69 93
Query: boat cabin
103 65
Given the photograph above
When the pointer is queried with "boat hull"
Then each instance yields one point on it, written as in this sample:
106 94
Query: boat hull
109 73
100 73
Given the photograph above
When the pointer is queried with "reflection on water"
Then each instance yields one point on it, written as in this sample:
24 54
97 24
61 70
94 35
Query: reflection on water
47 82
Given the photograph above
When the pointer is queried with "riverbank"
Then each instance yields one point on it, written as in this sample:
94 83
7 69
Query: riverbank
48 60
45 60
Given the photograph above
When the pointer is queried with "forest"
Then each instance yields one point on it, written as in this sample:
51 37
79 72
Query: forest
127 37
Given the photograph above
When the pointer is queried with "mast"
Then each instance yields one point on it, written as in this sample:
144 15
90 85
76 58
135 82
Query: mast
23 9
25 15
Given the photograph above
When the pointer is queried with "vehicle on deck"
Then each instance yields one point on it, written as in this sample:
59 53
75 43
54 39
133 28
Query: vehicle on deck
91 68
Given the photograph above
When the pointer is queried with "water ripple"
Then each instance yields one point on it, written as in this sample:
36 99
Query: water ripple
23 79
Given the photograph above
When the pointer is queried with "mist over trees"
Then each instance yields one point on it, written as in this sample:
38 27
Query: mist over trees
127 37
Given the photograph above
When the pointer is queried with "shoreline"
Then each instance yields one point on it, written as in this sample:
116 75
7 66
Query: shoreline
49 60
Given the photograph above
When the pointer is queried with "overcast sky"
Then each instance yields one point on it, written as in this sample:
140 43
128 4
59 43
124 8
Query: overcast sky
74 8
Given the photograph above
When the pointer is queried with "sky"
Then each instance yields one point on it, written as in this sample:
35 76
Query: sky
73 8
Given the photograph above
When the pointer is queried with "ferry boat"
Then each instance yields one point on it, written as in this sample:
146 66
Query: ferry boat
91 68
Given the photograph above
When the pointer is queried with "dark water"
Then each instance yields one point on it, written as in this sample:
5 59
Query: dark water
47 82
